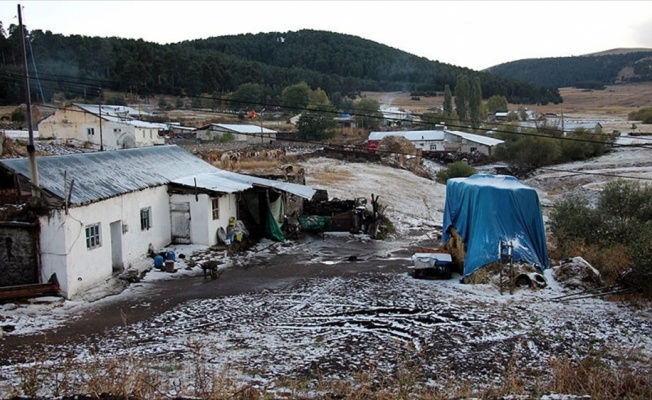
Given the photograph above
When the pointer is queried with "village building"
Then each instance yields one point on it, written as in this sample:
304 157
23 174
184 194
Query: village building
104 126
97 212
565 125
439 140
426 141
244 133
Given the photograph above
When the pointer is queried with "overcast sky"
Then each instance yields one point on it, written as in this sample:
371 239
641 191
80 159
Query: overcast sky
470 34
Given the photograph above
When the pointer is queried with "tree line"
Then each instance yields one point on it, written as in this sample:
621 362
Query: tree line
341 65
590 72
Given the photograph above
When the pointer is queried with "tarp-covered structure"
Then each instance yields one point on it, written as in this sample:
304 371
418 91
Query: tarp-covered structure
487 209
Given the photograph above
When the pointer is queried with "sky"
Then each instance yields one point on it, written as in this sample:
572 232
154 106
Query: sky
469 34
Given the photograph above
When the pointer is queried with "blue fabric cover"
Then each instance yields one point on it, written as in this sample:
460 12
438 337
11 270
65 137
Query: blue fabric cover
487 209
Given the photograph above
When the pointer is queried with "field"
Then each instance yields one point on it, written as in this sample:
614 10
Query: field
609 107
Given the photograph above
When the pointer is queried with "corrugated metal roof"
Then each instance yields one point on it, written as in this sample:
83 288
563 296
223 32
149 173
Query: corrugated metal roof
106 174
120 114
410 135
231 182
487 141
239 128
111 110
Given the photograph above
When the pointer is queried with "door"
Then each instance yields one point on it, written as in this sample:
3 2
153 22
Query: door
180 218
116 246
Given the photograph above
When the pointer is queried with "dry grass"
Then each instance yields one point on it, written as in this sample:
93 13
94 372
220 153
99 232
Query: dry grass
614 103
330 176
130 377
611 261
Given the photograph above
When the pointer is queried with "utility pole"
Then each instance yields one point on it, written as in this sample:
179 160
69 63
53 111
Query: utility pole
260 118
31 149
100 115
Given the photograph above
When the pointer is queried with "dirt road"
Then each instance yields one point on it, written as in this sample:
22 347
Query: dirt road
335 256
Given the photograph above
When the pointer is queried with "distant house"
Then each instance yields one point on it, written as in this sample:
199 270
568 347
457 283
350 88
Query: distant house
107 126
441 140
500 116
253 134
181 132
463 142
426 141
397 116
346 121
565 125
97 212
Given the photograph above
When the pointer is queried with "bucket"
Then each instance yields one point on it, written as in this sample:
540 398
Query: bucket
169 265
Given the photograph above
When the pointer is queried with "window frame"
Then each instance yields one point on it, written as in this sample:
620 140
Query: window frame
145 218
215 208
93 236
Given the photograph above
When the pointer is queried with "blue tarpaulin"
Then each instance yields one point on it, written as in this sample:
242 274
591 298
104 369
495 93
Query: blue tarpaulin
487 209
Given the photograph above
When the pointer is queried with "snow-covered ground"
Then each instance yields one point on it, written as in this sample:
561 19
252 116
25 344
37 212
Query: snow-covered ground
378 323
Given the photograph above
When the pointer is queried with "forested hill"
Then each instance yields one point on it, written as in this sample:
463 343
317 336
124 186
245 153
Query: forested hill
589 71
337 63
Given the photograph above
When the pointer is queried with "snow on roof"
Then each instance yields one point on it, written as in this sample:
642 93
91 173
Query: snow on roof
105 174
16 134
410 135
241 128
497 181
102 175
135 122
487 141
231 182
111 110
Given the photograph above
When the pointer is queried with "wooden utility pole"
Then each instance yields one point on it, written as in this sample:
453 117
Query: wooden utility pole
31 149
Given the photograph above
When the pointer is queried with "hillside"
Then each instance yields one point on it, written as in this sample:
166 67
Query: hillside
592 71
342 65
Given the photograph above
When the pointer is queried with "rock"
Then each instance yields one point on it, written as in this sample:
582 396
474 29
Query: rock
577 274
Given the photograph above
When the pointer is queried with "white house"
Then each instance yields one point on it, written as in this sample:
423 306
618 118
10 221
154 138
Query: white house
100 211
253 134
426 141
106 126
439 140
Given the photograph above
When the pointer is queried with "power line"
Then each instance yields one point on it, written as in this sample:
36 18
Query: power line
94 82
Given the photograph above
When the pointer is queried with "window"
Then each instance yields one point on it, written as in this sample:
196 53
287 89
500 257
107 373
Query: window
93 236
216 208
145 218
90 131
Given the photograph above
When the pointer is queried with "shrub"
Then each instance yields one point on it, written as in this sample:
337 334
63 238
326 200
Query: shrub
640 115
614 234
458 169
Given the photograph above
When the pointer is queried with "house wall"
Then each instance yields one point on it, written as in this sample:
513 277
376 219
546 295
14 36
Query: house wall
73 123
203 229
78 268
465 146
254 138
148 137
